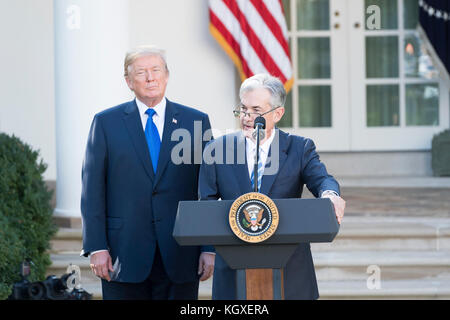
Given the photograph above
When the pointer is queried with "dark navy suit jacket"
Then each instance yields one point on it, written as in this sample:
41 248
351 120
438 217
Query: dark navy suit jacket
128 209
299 165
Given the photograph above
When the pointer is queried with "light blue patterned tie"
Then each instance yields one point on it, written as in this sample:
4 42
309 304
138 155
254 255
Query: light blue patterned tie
260 173
152 136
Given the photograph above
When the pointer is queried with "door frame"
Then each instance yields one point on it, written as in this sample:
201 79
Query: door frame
336 137
397 138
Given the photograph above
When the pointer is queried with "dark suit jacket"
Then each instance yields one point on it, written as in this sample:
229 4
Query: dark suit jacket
128 209
299 164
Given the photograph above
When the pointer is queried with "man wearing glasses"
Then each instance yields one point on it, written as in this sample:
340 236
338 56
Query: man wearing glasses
286 164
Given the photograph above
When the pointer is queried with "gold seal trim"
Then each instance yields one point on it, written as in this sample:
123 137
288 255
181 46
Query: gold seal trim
253 231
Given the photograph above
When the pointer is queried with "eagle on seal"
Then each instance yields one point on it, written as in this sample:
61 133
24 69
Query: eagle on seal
254 217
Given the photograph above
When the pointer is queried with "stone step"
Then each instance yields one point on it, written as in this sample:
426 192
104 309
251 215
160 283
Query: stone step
329 265
390 265
355 234
390 233
340 290
67 240
353 267
388 290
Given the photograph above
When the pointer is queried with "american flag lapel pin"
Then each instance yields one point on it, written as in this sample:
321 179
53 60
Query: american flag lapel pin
174 120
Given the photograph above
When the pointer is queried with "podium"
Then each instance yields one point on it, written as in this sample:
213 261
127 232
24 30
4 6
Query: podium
259 265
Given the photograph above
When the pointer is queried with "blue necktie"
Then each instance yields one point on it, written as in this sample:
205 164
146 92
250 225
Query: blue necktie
260 173
152 136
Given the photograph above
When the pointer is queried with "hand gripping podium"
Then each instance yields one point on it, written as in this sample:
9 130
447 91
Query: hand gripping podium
259 265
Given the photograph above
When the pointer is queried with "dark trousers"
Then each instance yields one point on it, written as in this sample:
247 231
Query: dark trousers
156 287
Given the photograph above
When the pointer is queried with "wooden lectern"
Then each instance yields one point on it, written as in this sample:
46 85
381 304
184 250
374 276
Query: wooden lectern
259 266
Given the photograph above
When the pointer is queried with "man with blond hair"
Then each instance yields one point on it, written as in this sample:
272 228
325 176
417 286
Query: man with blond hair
131 189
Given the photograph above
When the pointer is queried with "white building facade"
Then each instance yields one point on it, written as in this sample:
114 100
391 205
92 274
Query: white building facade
368 97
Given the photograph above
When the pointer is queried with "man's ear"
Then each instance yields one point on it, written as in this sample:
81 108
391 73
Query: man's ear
129 83
278 114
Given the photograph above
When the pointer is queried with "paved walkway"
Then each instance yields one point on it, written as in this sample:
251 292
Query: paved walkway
429 202
395 201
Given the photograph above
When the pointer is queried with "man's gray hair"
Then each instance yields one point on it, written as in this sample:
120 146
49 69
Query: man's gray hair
266 81
141 51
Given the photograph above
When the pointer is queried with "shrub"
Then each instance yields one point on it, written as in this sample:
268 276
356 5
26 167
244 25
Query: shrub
26 222
440 154
12 252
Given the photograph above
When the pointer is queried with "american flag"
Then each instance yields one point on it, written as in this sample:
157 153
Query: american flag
254 34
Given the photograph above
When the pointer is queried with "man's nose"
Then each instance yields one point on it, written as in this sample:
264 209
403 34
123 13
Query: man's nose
150 76
248 122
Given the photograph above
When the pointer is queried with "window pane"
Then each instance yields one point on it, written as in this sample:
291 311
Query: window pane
313 58
382 105
382 57
417 64
411 13
287 12
313 15
422 105
388 13
286 121
314 106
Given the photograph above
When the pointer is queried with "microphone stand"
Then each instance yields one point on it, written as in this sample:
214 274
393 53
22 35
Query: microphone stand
260 123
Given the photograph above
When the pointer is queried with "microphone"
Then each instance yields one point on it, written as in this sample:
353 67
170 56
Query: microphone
260 123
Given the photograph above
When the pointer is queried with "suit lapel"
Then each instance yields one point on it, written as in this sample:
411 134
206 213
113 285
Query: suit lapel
133 123
166 144
280 141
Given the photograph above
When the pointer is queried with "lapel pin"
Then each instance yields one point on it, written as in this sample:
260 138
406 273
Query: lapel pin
174 120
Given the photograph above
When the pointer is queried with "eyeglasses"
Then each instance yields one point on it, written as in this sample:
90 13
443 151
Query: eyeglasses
238 112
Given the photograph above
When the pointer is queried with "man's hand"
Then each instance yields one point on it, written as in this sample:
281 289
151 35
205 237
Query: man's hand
206 265
101 263
339 206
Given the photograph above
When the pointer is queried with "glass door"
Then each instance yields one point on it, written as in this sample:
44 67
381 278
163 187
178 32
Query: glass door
395 92
318 104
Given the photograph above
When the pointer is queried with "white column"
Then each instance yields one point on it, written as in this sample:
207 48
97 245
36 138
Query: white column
91 39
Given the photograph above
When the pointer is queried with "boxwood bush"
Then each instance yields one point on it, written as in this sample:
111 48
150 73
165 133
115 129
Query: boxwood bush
26 223
440 154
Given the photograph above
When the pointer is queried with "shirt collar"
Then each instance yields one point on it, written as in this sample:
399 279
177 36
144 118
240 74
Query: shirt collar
265 146
160 108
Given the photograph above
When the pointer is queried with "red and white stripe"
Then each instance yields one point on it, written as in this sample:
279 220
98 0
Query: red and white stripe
254 34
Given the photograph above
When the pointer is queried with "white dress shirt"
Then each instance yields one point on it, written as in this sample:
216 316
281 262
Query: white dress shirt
250 148
158 117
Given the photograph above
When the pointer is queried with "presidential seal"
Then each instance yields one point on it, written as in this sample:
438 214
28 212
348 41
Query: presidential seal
253 217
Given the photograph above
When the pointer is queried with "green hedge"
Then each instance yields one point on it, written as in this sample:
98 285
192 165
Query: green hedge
26 223
440 154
